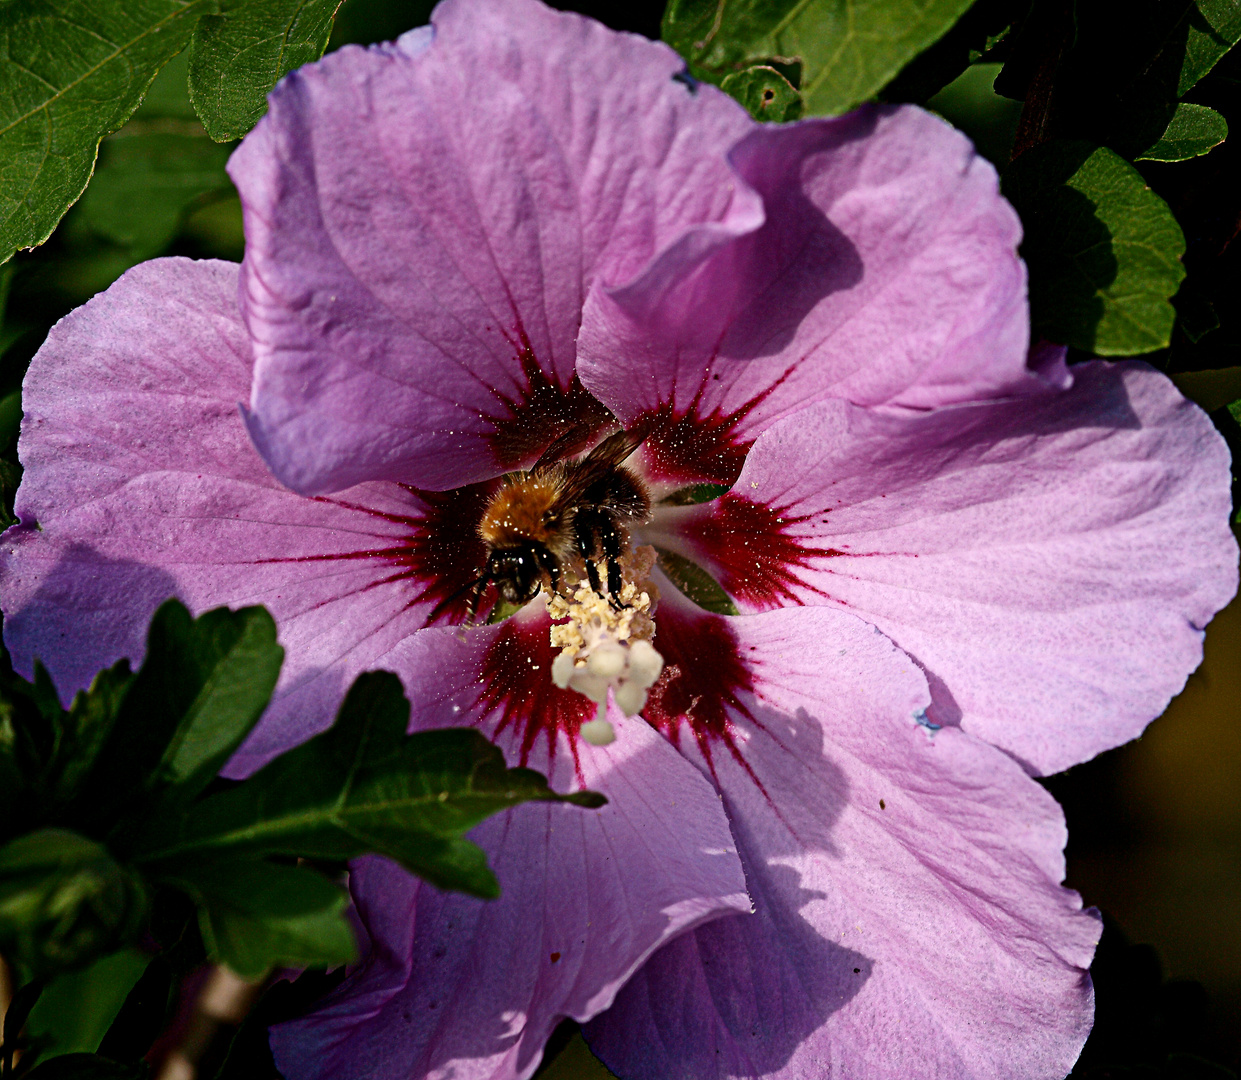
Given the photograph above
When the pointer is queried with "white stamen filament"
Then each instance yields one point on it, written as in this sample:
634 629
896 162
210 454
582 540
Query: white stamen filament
603 649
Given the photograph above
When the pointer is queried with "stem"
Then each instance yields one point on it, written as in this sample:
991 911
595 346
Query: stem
1055 35
222 1005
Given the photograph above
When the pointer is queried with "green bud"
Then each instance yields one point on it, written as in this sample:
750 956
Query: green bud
65 902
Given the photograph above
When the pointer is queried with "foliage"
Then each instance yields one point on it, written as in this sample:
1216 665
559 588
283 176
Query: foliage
115 831
843 51
1103 249
241 53
73 71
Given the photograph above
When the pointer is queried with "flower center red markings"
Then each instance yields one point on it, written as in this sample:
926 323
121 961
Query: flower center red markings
703 677
516 681
441 554
755 556
689 447
540 410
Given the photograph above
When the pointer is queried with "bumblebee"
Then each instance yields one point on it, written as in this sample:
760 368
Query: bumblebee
540 520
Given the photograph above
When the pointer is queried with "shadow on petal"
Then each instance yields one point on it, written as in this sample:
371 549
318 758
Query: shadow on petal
736 997
99 604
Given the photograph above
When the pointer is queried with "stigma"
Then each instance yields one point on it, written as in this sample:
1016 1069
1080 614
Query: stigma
605 643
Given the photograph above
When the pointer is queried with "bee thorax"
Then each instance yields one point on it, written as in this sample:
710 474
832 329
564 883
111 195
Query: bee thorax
523 511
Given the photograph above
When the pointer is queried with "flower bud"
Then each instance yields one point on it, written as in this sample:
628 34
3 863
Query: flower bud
65 902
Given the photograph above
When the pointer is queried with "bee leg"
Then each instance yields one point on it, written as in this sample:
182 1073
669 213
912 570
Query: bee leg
586 548
551 567
609 540
592 572
476 594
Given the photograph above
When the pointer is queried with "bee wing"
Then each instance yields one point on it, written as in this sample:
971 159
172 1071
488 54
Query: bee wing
615 448
579 475
563 445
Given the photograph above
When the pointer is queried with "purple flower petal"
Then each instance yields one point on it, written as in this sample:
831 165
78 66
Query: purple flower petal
141 483
423 223
473 988
886 272
1049 563
909 920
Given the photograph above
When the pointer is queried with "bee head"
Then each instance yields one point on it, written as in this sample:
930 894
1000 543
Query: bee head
515 572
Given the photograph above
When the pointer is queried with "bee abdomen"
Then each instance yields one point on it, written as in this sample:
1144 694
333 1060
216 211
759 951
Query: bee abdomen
627 496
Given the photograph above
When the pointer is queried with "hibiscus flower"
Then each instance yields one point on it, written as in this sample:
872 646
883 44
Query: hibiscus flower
952 565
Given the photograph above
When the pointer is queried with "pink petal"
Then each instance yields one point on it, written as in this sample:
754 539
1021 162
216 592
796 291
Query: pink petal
1050 563
423 223
886 272
587 896
909 922
144 485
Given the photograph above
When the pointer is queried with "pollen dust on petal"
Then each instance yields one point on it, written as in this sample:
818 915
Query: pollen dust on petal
537 410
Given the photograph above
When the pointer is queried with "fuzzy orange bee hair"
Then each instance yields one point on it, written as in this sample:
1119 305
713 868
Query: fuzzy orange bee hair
529 507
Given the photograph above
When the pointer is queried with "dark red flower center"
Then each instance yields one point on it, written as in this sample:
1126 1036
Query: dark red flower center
754 549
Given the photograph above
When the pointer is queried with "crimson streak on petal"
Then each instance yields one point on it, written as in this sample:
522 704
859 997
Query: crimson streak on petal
440 555
704 675
516 681
753 551
688 446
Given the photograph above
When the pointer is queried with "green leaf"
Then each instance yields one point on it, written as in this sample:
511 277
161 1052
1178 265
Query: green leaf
848 49
51 751
1212 27
71 72
1194 130
1103 249
696 583
694 493
151 1002
1138 105
202 687
364 785
64 901
971 104
149 173
84 732
216 673
971 38
766 94
237 56
256 916
75 1010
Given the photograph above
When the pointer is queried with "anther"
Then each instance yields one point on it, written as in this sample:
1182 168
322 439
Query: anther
604 647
